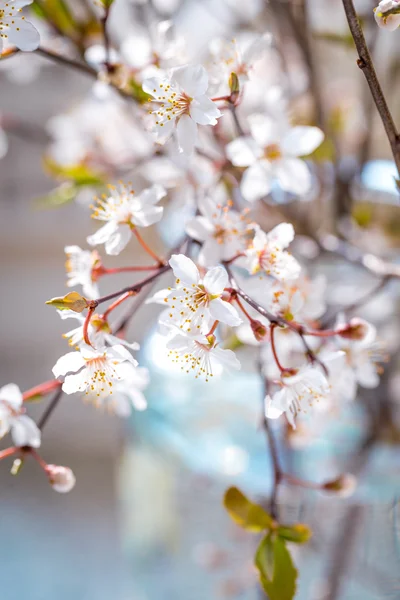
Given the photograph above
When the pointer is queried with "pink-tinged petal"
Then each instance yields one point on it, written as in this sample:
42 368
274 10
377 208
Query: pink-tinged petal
69 363
26 38
25 432
215 281
300 141
204 111
256 181
118 240
186 131
282 235
193 80
12 395
199 228
184 269
224 312
243 151
293 175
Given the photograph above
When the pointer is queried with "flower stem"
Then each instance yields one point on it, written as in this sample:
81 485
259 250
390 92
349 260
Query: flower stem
8 452
147 249
213 328
117 302
86 325
42 389
242 308
274 352
132 269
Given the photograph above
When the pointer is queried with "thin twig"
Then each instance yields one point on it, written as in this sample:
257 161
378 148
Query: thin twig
69 62
366 65
49 410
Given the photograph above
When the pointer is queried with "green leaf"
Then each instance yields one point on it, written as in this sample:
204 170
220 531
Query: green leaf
137 92
282 585
324 152
264 558
63 194
58 13
246 514
80 174
298 533
106 3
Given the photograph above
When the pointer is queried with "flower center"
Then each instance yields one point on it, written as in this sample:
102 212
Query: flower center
172 103
272 152
116 207
100 376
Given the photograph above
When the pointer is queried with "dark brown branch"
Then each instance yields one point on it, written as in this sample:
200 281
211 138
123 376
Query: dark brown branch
49 410
69 62
366 65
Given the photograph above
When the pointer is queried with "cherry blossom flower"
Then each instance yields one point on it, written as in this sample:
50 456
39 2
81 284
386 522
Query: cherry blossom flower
99 332
267 254
299 391
387 21
273 154
195 302
24 430
228 56
361 364
15 28
80 266
128 394
201 355
93 371
223 232
182 104
300 300
123 211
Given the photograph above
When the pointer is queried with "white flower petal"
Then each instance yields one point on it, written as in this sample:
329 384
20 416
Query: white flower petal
243 151
26 37
186 131
75 383
12 395
199 228
191 79
256 181
224 312
226 358
184 269
102 234
204 111
118 240
301 140
216 280
293 175
282 235
148 216
25 432
69 363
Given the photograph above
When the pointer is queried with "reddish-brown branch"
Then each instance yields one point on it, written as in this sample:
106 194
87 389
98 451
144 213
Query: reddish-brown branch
147 249
41 390
117 302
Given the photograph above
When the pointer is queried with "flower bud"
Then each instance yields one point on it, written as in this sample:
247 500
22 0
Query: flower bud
72 301
343 486
387 14
260 331
356 330
61 479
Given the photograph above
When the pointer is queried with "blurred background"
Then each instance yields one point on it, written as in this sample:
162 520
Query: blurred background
145 520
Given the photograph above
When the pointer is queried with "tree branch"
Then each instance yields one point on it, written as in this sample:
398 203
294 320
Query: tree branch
366 65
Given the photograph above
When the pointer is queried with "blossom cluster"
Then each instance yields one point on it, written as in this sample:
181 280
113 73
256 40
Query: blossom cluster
213 144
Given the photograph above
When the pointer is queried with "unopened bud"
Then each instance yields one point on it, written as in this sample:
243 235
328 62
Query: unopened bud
387 14
260 331
61 479
343 486
356 330
234 87
72 301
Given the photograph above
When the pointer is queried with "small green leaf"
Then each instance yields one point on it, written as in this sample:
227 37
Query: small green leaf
106 3
137 92
57 13
324 152
299 533
80 174
246 514
282 586
264 558
63 194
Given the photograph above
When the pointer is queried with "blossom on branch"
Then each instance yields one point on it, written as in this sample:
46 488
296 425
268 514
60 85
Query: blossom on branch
272 153
81 270
224 232
299 391
196 302
15 28
182 104
123 211
267 254
201 355
24 430
94 371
